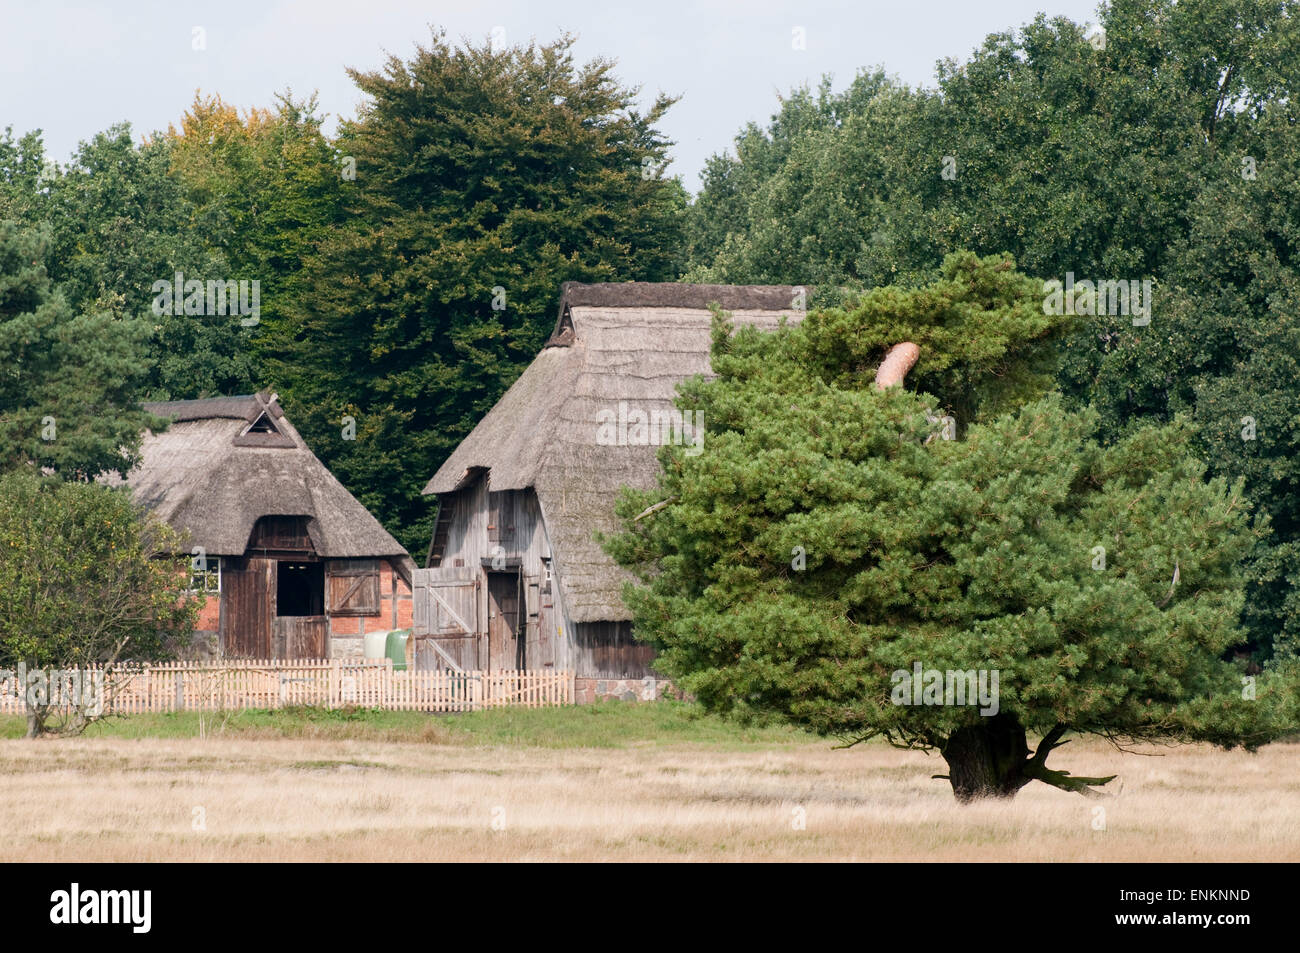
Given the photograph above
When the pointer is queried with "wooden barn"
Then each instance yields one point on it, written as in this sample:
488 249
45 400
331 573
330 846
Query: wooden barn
293 565
514 577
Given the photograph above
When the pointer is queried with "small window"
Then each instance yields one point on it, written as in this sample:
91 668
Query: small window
262 425
263 432
206 580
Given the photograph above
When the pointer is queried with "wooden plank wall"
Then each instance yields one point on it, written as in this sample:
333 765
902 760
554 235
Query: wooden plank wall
444 599
471 538
248 604
594 649
299 637
467 534
607 650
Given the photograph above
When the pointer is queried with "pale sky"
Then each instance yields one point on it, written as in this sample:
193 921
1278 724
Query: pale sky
72 69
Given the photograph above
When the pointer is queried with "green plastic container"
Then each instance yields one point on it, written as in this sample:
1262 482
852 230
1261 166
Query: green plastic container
397 648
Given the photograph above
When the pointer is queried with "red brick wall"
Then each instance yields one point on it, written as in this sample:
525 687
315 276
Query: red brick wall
210 614
209 619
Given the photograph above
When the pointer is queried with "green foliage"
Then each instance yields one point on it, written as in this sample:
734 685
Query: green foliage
1170 153
262 189
22 185
971 554
475 170
1065 156
833 193
71 380
84 577
986 344
120 221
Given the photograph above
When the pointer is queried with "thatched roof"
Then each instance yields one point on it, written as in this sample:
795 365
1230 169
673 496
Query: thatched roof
630 342
219 467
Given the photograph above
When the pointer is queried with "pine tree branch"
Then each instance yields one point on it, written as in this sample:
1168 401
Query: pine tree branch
653 508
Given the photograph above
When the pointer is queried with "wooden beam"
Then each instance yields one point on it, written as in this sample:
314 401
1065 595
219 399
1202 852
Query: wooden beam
392 591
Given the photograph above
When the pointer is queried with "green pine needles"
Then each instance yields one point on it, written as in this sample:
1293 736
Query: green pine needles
829 540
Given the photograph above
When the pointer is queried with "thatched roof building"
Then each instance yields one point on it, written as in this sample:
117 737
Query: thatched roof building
279 530
616 356
228 461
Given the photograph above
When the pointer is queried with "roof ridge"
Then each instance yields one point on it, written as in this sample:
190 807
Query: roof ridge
671 294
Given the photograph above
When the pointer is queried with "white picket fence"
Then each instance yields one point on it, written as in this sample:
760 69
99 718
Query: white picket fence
330 683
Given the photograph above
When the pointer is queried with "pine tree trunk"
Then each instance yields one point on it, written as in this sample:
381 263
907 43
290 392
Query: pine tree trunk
987 759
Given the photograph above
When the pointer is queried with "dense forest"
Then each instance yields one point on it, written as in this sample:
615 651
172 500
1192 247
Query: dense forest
408 265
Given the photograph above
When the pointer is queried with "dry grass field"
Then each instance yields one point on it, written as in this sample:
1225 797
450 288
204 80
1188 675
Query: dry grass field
420 791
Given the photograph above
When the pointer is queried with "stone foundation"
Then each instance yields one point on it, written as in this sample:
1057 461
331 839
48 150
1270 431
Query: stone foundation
347 646
588 690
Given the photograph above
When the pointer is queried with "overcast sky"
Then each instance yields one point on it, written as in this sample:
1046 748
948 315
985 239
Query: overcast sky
73 69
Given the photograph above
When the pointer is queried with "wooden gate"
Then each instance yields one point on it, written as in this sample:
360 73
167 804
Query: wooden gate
445 623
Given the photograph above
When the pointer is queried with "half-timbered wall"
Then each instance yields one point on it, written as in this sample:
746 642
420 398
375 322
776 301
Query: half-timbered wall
360 596
371 576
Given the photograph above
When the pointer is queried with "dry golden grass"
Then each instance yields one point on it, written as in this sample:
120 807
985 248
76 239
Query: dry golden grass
113 799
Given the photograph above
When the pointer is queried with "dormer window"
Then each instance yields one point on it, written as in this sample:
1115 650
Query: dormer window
262 424
564 332
263 432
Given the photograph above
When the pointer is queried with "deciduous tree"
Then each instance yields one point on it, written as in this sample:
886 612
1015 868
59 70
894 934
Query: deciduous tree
484 178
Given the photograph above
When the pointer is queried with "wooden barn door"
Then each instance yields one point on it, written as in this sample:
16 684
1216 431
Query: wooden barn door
300 627
445 624
300 637
506 648
352 588
247 587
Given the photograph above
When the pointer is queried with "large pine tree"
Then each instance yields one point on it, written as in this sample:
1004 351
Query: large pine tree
829 540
